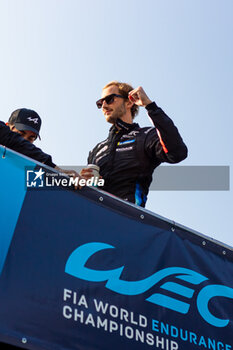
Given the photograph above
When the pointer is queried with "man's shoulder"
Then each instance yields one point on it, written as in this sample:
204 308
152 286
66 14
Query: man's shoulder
4 129
99 145
143 131
147 129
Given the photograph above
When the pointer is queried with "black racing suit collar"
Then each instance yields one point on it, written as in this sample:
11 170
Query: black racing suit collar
123 125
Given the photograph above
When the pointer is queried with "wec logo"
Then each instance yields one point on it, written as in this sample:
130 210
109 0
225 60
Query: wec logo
75 266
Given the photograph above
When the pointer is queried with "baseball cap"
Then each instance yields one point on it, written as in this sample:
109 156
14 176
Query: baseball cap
26 119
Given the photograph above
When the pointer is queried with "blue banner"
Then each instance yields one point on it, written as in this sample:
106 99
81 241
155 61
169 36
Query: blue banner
83 270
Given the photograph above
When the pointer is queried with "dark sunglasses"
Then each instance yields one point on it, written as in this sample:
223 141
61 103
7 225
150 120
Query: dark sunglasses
108 99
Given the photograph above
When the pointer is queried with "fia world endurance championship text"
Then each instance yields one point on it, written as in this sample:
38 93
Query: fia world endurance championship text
135 327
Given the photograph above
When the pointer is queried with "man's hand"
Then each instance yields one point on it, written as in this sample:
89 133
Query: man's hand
139 97
70 173
86 173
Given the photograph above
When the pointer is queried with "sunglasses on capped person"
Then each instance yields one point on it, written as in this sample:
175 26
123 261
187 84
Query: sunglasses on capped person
108 99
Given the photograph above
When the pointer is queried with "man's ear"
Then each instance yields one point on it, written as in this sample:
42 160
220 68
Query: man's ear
129 103
7 124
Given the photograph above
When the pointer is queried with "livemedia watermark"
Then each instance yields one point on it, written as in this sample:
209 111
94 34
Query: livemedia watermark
165 178
41 179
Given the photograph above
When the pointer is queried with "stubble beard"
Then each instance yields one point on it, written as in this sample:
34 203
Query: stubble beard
117 113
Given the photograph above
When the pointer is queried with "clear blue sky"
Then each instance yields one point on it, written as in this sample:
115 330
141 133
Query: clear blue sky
56 55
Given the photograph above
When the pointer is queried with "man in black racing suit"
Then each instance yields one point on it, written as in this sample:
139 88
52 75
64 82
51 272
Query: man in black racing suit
128 157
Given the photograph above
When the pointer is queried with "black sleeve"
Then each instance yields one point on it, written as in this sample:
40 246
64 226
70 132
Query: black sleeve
164 142
14 141
89 158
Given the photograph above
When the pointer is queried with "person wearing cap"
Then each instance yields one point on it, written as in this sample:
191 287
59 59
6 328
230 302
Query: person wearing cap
25 122
16 142
128 156
22 143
